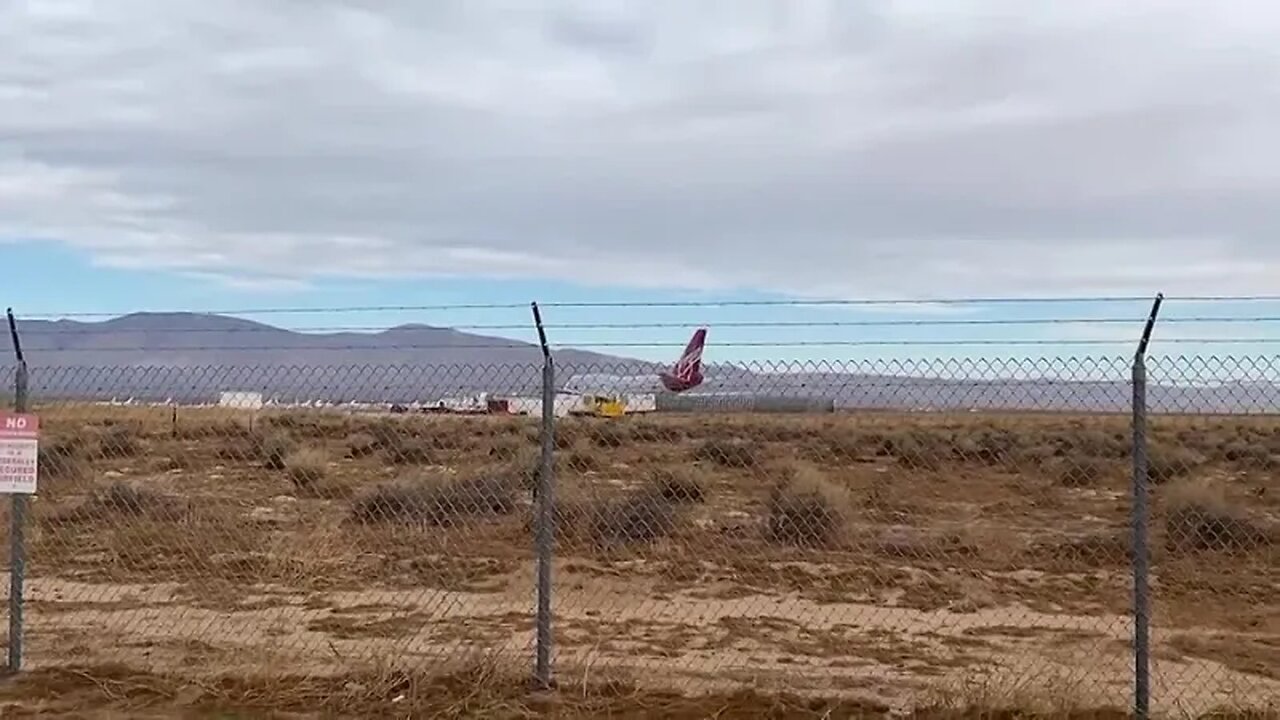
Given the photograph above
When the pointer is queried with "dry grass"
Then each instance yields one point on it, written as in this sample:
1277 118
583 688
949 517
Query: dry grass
437 501
525 467
124 501
62 459
639 517
995 523
507 449
210 429
484 689
808 509
1053 694
1166 463
584 458
1200 516
1081 471
385 431
737 454
119 441
643 431
1251 453
569 520
923 449
677 485
271 449
411 451
361 445
609 438
996 445
307 467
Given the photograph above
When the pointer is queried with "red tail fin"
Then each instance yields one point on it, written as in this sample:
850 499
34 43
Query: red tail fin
687 372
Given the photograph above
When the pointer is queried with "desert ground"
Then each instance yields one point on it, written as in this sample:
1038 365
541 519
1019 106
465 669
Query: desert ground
195 560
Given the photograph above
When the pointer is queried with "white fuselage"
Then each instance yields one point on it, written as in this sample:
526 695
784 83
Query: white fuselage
608 385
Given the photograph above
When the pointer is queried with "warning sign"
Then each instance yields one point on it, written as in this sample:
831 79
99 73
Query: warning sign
19 450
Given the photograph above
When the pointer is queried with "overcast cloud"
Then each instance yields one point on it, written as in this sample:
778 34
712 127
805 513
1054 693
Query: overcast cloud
859 149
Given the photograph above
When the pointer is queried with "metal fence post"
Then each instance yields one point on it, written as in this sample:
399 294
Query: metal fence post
17 519
545 510
1141 551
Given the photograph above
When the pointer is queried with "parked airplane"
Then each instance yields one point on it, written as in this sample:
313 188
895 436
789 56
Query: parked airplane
684 375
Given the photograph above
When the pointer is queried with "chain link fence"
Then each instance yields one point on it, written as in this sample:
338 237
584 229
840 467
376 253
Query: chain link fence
1215 533
915 533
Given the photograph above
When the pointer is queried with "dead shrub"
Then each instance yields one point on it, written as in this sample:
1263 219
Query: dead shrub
274 449
134 500
448 436
584 459
60 458
1038 455
124 500
566 435
307 467
728 453
1078 472
782 432
808 510
506 449
1199 516
315 424
525 467
919 461
386 433
1230 449
648 432
1169 462
285 421
507 427
178 461
437 502
608 437
841 446
361 445
568 519
918 449
270 449
996 445
1249 455
882 496
211 429
1105 548
639 517
1094 443
119 441
677 485
411 451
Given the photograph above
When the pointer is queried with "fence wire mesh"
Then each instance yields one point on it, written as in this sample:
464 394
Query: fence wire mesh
1215 534
313 537
912 532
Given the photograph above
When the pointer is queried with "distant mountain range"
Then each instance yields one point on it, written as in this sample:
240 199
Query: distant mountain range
201 340
193 357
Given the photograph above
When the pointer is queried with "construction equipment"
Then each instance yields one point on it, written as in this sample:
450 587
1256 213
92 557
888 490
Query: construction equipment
602 406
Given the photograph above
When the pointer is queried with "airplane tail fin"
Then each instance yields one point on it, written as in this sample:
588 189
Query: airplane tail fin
689 367
686 373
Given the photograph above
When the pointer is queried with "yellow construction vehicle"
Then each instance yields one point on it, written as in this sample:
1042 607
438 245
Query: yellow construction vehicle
603 406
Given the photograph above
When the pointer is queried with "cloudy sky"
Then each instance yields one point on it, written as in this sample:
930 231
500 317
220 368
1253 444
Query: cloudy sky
236 154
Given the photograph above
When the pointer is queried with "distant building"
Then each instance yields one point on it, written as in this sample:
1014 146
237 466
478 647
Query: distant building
240 399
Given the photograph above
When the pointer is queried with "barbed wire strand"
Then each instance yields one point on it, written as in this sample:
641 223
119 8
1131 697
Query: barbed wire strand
83 330
677 304
633 344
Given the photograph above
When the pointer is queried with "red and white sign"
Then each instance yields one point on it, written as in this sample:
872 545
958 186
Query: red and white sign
19 451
